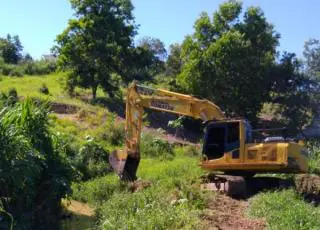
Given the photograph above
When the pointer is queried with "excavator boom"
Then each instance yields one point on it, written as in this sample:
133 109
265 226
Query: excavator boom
125 162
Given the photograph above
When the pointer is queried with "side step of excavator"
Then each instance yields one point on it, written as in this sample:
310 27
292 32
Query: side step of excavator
234 186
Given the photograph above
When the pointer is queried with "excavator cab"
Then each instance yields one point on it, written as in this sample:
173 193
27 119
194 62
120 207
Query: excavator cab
221 137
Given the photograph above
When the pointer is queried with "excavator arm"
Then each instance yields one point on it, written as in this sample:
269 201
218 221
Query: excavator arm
125 162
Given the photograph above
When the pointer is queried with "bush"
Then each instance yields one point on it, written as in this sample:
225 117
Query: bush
313 147
40 67
44 89
192 151
6 69
16 72
13 93
97 190
38 173
12 96
12 70
92 160
151 146
114 131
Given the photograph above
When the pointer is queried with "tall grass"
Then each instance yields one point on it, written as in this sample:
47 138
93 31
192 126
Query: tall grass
173 201
285 210
314 156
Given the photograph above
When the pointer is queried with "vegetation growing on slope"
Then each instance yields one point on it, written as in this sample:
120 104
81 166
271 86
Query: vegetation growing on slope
172 201
35 172
229 59
285 210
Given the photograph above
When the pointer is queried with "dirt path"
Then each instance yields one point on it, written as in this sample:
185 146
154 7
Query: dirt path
226 213
77 216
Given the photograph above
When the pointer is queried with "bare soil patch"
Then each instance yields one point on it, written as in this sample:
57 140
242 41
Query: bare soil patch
226 213
63 108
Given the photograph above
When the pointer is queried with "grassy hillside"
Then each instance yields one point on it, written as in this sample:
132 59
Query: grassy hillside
29 86
167 196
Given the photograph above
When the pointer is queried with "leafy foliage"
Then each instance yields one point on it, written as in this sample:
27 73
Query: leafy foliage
151 146
94 44
313 147
44 89
114 132
312 55
35 170
227 59
147 59
174 61
10 49
290 88
92 160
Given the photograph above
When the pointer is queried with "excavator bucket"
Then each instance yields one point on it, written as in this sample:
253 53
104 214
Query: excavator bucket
124 165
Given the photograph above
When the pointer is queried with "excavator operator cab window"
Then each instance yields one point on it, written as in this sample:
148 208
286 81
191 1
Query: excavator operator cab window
221 137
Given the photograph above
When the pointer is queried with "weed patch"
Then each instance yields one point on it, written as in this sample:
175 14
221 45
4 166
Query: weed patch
285 210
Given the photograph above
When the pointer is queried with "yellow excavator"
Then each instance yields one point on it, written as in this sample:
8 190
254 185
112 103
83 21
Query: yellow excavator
227 146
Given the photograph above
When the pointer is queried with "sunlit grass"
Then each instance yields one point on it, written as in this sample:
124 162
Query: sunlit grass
28 86
285 210
173 200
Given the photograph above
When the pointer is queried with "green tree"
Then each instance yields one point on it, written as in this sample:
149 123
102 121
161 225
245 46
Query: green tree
312 55
155 46
10 49
144 61
290 91
174 61
96 42
228 60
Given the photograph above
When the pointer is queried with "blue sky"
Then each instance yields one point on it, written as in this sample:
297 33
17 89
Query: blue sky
37 22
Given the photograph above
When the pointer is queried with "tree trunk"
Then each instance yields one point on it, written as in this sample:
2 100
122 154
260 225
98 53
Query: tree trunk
94 92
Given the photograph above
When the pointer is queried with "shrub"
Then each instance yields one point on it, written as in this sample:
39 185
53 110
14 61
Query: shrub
92 160
6 69
39 67
313 147
114 131
191 151
38 173
17 71
44 89
97 190
12 70
151 146
12 96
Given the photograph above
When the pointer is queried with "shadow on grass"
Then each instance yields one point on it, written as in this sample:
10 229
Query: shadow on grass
78 222
309 189
258 184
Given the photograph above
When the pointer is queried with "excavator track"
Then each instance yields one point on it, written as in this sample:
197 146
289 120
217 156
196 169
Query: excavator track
234 186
